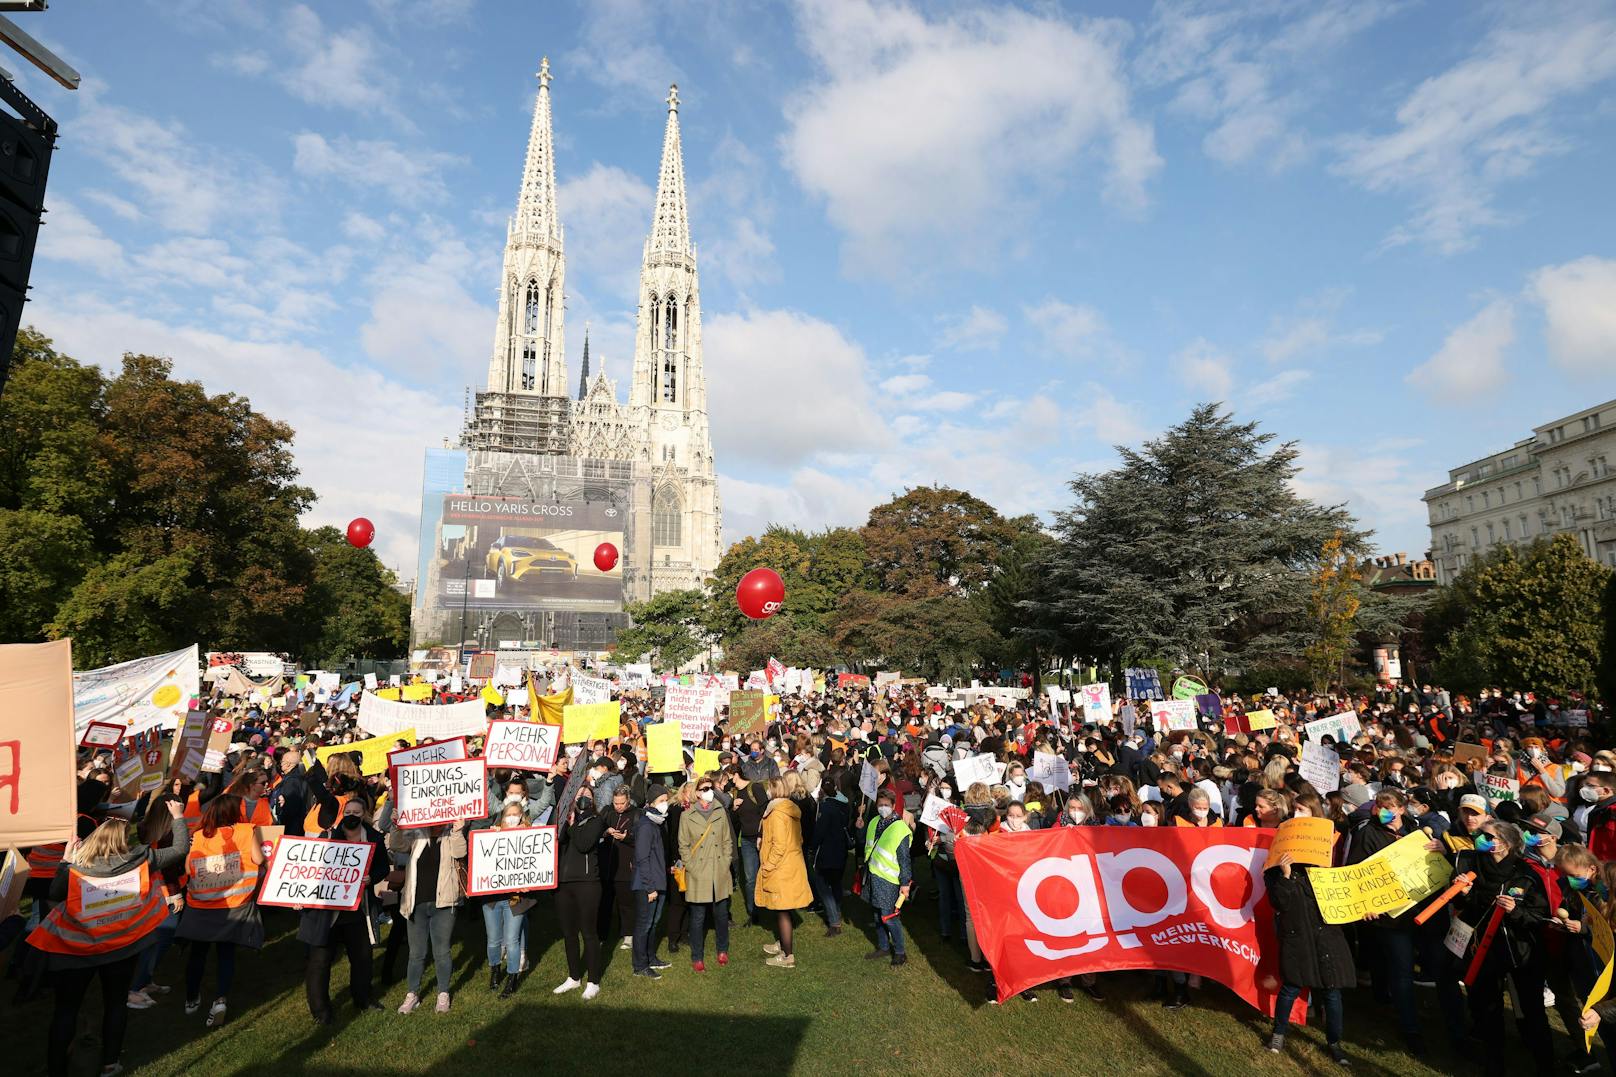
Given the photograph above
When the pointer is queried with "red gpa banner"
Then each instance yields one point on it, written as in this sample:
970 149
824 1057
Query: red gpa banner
1053 903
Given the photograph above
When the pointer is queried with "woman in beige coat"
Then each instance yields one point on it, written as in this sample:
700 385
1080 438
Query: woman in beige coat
432 890
782 882
707 848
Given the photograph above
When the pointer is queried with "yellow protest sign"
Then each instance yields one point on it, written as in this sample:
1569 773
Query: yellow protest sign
374 751
1351 893
590 721
706 761
662 748
1605 946
1308 840
1421 871
491 696
1257 721
551 708
414 693
389 693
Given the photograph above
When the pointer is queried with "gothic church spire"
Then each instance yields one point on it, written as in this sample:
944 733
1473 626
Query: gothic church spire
583 377
536 210
670 226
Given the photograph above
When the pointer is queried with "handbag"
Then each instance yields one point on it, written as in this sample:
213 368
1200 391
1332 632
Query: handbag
679 868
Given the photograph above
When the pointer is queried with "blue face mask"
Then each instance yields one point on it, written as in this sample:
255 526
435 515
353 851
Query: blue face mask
1386 815
1579 883
1485 844
1533 840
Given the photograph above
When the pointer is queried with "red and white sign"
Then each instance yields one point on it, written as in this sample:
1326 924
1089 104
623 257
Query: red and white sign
439 751
101 735
1053 903
317 873
510 861
430 794
522 745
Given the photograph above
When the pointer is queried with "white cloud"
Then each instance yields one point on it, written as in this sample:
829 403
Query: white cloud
249 62
338 68
1470 362
607 213
1111 420
195 261
925 134
69 236
1281 386
1203 367
409 176
977 329
621 50
1312 329
120 206
1579 308
784 386
1068 330
1484 120
424 326
356 225
731 208
905 384
1380 483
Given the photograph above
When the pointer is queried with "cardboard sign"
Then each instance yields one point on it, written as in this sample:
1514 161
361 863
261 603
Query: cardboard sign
1308 840
1144 682
1321 767
317 873
373 752
38 779
1348 894
1173 715
976 768
101 735
663 751
1599 934
1498 788
219 730
1467 756
522 745
1050 771
508 861
747 713
439 751
584 722
430 794
189 746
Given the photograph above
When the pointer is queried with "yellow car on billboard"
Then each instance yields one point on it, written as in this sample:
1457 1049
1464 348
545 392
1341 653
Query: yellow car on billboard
519 557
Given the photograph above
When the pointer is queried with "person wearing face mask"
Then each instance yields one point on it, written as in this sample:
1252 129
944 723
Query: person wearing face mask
578 888
616 870
505 915
782 879
945 872
886 855
1388 942
1596 817
758 766
330 932
649 882
604 779
1197 810
432 891
1015 780
1079 811
1313 955
748 799
1150 813
830 851
707 848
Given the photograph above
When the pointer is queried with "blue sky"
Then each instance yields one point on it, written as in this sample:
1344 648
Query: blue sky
971 244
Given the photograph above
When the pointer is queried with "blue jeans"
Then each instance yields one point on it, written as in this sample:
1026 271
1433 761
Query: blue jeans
647 915
506 933
698 925
1392 975
146 967
1330 996
828 892
950 903
888 933
749 873
196 964
430 927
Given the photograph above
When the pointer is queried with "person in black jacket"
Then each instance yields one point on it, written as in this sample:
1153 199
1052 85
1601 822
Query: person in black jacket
292 798
616 866
1312 955
830 852
578 893
1390 937
330 931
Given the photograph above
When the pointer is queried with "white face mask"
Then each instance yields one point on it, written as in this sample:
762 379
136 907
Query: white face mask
1148 819
706 796
1592 793
885 810
944 791
1200 813
512 820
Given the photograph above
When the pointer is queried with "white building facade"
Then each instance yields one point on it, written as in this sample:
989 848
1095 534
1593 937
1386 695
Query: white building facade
1558 480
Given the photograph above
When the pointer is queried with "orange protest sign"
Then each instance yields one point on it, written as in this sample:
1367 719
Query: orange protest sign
1308 840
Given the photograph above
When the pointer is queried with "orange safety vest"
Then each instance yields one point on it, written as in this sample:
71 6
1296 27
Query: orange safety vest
311 821
43 860
102 914
192 814
222 875
260 814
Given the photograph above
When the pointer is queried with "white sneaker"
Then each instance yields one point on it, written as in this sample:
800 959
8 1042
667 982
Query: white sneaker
155 988
1548 998
772 949
443 1002
411 1001
627 943
569 984
139 1001
216 1013
523 966
590 991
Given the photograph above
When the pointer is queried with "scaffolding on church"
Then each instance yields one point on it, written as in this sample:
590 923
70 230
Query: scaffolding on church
519 422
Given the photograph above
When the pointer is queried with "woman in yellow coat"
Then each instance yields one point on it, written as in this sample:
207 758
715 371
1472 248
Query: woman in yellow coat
782 881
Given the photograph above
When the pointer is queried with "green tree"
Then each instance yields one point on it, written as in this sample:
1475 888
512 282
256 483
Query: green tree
932 539
43 556
1607 650
127 606
1529 618
1002 600
666 630
1196 548
353 603
1332 612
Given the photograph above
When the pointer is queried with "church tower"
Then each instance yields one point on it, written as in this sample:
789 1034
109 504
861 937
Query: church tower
529 342
668 393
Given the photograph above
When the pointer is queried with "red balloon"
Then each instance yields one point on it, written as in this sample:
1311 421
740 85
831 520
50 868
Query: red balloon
760 593
605 556
360 532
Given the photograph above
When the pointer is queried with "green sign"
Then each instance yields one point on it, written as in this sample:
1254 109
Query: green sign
1188 687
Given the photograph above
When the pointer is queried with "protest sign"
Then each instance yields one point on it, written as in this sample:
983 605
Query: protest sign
1321 767
1050 771
931 813
973 769
1577 718
386 717
414 693
692 708
370 682
1308 839
1035 901
433 793
1599 934
706 761
373 752
747 713
1498 788
852 680
13 877
664 754
1096 701
1347 894
101 735
439 751
1468 756
1144 682
511 860
1259 720
189 744
1209 704
1187 688
1421 871
153 763
127 773
316 873
38 776
869 781
218 745
492 696
146 693
583 722
1340 727
587 689
523 745
1173 715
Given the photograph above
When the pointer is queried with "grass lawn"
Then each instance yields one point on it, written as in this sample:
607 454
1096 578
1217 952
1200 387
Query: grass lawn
835 1013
